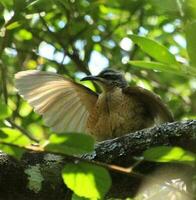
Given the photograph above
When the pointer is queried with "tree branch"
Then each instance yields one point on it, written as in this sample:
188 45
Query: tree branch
170 134
126 180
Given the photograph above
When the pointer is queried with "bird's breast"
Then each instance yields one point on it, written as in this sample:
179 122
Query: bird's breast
115 114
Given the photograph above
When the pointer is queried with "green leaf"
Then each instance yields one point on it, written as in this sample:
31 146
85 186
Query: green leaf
191 41
167 6
13 25
9 137
87 180
5 111
8 4
154 65
24 34
183 71
16 152
75 197
154 49
169 154
71 143
25 109
14 136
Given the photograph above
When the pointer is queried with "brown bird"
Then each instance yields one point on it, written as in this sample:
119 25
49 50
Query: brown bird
67 106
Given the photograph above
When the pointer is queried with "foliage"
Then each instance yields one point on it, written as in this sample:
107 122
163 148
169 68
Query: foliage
87 180
70 144
153 42
170 154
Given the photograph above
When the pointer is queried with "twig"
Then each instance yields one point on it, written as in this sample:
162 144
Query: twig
75 57
25 132
4 84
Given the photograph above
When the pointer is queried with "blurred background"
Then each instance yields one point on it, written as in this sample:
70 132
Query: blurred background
76 38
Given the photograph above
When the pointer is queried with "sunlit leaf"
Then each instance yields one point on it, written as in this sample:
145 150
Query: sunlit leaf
14 136
5 111
70 143
89 85
13 25
154 49
169 154
11 137
191 41
24 34
25 109
36 131
31 64
87 180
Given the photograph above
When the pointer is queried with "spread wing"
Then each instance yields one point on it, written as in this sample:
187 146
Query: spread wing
64 104
155 107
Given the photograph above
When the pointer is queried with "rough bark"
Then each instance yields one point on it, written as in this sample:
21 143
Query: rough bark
37 175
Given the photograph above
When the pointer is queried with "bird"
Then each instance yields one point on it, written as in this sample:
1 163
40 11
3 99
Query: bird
68 106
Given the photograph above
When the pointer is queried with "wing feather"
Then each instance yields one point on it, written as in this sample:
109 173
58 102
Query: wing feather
82 120
156 108
64 104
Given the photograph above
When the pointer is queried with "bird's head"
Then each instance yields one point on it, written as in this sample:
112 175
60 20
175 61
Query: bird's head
108 79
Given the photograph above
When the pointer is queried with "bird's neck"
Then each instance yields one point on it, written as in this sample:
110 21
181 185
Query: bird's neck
109 99
109 89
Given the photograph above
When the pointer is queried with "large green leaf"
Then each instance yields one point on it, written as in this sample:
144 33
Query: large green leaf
5 111
87 180
169 154
191 41
70 143
154 65
183 71
154 49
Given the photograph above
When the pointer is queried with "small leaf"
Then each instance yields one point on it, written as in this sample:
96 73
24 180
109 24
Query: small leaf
13 25
70 143
23 34
154 49
191 41
87 180
5 111
169 154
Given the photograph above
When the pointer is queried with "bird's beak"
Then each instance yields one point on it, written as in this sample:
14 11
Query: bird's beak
92 78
